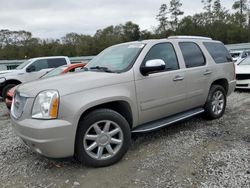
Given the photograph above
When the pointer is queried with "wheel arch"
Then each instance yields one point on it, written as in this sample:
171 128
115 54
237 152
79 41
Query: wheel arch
120 106
222 82
7 82
12 81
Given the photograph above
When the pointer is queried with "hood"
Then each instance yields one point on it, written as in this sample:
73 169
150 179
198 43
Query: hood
9 72
76 82
242 69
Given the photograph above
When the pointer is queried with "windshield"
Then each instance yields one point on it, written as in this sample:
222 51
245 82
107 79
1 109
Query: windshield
23 64
55 72
245 62
117 58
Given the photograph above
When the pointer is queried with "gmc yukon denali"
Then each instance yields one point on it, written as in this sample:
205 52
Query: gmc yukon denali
128 88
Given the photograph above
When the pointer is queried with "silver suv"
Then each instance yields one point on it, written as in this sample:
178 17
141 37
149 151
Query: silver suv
128 88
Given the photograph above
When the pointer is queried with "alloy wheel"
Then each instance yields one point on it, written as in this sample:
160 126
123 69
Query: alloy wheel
218 102
103 140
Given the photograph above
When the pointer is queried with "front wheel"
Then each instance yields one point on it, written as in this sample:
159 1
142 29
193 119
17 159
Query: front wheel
216 102
103 137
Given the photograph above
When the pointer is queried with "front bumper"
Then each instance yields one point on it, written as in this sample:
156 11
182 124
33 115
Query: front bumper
51 138
243 84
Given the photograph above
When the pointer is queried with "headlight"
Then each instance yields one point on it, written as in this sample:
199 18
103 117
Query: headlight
46 105
2 80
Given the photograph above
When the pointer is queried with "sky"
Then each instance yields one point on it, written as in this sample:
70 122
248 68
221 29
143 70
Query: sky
55 18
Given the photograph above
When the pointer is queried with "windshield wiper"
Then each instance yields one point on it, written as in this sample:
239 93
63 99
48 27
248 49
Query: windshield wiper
105 69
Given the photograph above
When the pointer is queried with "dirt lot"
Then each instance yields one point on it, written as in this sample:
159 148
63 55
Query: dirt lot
194 153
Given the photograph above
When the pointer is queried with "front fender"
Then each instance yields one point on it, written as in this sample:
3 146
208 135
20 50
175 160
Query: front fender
74 105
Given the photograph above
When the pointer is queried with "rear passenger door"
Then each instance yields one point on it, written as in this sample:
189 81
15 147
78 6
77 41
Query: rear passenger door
198 74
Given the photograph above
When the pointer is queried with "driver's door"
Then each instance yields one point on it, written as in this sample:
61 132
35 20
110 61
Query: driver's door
161 94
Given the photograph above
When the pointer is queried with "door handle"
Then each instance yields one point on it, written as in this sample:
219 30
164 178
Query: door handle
208 72
178 78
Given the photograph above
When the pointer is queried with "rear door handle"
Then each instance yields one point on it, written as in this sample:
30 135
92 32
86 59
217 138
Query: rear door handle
208 72
178 78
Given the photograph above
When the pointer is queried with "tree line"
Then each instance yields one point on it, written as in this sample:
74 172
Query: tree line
228 26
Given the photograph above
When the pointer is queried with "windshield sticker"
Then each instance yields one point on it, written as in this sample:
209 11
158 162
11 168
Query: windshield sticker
136 46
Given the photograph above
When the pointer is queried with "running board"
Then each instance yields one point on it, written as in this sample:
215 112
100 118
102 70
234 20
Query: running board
147 127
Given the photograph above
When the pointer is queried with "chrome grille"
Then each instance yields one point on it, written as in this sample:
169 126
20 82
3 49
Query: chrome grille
18 105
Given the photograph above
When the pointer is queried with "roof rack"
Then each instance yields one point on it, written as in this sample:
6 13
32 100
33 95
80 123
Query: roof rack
189 37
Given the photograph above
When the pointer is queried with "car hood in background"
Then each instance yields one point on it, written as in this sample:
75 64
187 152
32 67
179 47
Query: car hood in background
76 82
242 69
10 72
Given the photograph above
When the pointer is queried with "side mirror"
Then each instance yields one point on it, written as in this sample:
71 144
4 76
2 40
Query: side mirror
153 66
31 68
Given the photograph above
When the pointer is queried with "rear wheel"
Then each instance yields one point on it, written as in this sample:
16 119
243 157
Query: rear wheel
216 102
103 137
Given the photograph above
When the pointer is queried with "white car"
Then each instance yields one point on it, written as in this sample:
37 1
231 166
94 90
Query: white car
243 74
238 56
29 70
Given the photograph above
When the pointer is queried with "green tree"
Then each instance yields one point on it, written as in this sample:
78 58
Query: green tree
241 7
208 7
219 12
162 17
145 34
106 37
175 12
130 31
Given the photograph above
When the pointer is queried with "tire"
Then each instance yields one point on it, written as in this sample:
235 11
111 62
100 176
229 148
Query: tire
102 138
6 89
8 107
216 103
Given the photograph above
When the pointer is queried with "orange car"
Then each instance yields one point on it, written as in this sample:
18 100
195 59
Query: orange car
57 71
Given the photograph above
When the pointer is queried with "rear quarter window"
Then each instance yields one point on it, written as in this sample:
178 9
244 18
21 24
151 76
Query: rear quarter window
54 63
218 52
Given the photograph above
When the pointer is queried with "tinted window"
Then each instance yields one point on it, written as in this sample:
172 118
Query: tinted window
166 52
40 64
53 63
218 52
192 54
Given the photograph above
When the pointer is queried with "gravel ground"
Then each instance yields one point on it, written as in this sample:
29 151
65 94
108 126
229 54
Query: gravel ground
193 153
